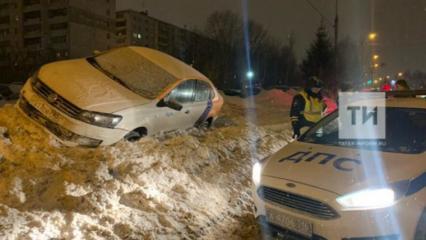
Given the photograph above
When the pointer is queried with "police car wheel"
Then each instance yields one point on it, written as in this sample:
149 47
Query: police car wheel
421 227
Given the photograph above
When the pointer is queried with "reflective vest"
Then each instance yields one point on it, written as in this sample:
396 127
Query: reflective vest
314 108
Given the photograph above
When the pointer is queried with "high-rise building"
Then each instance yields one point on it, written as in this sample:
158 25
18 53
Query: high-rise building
140 29
37 31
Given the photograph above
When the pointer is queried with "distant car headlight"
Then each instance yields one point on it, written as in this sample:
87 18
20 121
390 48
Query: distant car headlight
100 119
368 199
257 173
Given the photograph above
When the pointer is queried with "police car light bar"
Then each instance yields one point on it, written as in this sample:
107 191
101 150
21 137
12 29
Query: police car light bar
405 94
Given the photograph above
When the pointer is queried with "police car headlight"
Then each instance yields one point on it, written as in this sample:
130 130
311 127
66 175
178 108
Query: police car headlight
368 199
257 173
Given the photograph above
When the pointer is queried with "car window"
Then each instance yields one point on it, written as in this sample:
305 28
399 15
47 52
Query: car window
203 91
405 130
183 93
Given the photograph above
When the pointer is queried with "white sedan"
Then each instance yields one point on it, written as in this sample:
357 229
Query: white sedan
124 93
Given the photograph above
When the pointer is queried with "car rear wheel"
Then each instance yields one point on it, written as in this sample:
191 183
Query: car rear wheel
208 123
136 135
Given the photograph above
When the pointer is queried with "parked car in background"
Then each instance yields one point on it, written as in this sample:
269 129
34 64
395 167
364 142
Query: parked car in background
2 100
10 91
5 91
124 93
243 88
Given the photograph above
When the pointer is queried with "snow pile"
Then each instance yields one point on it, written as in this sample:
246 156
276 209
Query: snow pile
194 184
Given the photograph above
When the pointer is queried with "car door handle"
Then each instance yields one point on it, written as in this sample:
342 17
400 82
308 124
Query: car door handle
187 111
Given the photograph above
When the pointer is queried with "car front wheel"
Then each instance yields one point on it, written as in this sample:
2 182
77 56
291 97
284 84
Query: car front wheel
136 135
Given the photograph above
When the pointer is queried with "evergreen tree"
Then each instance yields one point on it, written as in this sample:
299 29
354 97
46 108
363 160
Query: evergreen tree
320 59
349 69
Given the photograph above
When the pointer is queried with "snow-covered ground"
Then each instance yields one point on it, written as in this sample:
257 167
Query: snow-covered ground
189 185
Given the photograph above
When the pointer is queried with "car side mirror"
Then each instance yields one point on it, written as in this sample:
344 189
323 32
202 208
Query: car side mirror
170 104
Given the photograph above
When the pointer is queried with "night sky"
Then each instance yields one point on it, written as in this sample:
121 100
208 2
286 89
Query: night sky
401 24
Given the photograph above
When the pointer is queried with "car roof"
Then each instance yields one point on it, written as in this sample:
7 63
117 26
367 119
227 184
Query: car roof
406 102
395 102
172 65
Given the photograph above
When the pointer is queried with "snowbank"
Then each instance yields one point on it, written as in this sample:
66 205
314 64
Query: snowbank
194 184
277 97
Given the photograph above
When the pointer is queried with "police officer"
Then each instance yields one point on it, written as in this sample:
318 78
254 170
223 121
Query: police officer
308 106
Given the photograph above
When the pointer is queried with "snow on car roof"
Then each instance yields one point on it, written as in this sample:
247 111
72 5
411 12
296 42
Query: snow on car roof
172 65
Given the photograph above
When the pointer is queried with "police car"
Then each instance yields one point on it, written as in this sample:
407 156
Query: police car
318 188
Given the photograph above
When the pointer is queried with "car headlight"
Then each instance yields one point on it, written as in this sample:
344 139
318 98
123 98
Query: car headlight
256 173
368 199
100 119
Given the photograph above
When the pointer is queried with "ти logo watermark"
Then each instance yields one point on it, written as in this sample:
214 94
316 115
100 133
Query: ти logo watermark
362 116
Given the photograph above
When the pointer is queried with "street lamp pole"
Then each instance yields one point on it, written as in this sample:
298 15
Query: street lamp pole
336 41
336 26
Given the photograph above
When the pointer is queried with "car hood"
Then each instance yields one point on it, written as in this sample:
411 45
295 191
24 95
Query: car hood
341 170
88 88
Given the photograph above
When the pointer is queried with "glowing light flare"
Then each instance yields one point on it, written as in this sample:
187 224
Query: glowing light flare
372 36
368 199
250 74
256 173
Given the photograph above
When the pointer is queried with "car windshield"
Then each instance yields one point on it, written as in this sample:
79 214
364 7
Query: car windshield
134 71
405 132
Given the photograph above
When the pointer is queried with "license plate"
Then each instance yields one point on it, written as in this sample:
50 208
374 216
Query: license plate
47 111
290 223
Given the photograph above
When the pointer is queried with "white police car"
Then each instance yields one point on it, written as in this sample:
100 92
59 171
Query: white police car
317 188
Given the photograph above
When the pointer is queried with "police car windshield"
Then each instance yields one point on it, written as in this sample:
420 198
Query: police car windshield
405 132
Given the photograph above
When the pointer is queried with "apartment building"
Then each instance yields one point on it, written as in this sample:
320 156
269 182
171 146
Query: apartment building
38 31
140 29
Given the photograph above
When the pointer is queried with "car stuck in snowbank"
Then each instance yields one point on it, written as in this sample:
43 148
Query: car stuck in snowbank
125 93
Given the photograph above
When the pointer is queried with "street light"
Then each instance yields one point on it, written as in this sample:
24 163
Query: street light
400 74
375 57
372 36
376 65
250 74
